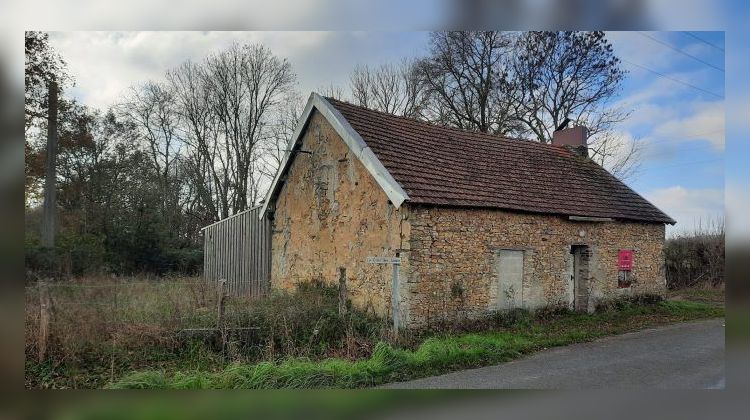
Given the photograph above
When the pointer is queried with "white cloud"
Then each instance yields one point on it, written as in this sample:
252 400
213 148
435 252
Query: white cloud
706 122
618 156
105 64
645 49
656 89
658 104
688 207
667 129
639 49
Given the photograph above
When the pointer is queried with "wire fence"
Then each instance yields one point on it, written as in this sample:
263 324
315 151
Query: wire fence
65 320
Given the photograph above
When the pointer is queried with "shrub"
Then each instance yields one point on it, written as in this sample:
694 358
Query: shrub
696 258
493 320
514 318
624 302
305 322
551 312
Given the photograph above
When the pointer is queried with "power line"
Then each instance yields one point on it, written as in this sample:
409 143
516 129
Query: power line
663 139
673 79
696 162
694 36
677 149
680 51
666 155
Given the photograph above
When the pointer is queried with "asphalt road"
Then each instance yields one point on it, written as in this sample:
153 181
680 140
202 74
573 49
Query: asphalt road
681 356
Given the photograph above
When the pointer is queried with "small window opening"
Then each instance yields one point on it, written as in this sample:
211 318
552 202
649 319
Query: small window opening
623 279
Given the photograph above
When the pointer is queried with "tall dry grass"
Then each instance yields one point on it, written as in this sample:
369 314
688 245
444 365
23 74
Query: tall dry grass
102 327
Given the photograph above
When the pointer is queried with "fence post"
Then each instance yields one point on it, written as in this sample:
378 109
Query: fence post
43 320
220 312
342 290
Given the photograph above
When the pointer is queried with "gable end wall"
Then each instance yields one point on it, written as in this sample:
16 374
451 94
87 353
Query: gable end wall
331 213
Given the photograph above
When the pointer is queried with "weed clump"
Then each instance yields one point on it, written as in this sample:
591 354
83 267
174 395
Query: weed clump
303 323
551 312
626 302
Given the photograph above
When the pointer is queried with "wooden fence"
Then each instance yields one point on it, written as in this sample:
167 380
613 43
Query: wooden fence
238 249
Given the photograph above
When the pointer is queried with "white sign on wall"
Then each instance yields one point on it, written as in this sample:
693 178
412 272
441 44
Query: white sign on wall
383 260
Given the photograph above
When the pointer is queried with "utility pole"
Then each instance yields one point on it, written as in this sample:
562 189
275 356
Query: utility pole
50 199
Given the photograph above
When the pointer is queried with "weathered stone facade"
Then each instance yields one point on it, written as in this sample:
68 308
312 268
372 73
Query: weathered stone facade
331 213
453 259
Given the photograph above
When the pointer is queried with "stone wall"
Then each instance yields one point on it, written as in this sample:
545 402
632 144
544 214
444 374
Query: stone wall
331 213
453 259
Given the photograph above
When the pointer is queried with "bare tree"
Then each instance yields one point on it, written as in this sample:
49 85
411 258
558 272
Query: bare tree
575 75
332 91
246 84
150 107
618 154
466 76
274 147
393 88
229 108
696 257
203 164
561 75
527 84
208 127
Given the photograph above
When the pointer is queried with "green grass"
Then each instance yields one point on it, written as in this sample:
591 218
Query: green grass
98 369
710 295
435 355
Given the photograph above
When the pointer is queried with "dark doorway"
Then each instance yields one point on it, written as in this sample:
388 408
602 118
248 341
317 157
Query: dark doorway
581 256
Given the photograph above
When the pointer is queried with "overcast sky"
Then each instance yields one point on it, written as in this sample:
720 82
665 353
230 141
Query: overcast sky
678 112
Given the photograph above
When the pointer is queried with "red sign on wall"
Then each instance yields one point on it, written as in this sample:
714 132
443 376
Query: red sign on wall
625 259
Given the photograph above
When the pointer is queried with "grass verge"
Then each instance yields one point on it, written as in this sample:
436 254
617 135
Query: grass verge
435 355
711 295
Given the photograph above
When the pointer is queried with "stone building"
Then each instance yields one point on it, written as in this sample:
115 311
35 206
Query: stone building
428 223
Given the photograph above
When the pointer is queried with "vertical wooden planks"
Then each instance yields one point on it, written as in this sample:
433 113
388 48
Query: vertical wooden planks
251 258
245 248
265 279
238 249
234 246
241 253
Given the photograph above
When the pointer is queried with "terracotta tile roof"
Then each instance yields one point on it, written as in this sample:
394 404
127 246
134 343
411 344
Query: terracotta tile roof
449 167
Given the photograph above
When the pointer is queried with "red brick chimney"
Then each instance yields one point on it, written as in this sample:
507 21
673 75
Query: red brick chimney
575 138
